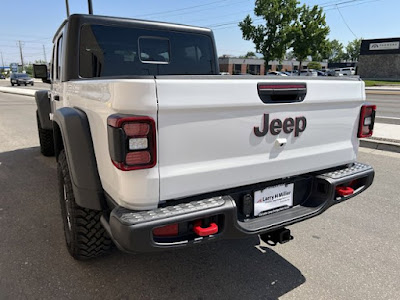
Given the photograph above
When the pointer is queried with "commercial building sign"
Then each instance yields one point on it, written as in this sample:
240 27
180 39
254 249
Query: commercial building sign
14 67
384 46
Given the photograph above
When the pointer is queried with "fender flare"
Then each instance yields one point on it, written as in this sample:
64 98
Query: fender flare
73 127
43 106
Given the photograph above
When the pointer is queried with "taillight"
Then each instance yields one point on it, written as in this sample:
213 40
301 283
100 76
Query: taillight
367 120
132 142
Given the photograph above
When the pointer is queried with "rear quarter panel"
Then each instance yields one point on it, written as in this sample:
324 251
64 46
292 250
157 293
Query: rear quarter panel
99 99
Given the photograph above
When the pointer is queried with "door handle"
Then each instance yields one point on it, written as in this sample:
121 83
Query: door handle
57 98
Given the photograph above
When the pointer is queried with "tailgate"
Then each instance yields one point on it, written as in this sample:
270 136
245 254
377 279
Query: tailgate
207 140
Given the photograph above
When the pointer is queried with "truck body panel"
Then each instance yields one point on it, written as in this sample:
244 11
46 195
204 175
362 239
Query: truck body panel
206 137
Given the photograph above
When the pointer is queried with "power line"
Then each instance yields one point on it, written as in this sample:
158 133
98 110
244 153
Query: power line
339 3
173 13
346 22
355 4
232 14
180 9
234 23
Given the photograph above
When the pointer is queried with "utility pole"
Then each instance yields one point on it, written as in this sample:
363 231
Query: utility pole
44 54
2 62
22 58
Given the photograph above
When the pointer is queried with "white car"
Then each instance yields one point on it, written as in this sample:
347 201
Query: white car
276 73
345 71
309 72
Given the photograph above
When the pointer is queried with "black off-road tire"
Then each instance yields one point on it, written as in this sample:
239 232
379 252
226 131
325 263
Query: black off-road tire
46 139
85 236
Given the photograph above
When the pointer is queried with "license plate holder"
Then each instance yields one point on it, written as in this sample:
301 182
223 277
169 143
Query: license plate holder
273 198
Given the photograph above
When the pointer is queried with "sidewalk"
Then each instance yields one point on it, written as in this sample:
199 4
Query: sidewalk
384 89
17 91
386 136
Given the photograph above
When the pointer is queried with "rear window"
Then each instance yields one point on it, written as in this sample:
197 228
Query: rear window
21 76
154 50
120 51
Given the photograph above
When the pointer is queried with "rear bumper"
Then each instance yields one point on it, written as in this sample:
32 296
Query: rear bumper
132 231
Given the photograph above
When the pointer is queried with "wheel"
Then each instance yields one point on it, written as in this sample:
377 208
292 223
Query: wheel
85 236
32 84
25 84
45 138
18 84
12 84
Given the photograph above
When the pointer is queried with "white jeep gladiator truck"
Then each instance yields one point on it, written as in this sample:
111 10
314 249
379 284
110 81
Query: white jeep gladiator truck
156 150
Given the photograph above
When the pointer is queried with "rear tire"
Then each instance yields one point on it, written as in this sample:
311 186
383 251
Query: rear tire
46 139
84 235
12 84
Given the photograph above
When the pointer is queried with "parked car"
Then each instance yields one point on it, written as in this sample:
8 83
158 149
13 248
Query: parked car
2 76
276 73
20 78
309 72
321 73
350 71
330 72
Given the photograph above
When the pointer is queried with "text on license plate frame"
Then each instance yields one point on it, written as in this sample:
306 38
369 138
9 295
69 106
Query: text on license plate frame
273 197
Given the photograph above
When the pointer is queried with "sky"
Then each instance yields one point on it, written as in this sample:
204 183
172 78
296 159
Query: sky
34 22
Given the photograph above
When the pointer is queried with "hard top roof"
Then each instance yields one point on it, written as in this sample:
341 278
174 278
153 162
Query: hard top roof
117 21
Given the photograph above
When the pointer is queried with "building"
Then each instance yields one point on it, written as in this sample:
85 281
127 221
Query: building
342 65
255 66
380 59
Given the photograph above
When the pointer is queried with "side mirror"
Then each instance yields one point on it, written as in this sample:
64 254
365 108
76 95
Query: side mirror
41 72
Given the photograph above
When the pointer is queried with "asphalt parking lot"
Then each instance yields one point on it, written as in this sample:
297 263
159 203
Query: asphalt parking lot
350 252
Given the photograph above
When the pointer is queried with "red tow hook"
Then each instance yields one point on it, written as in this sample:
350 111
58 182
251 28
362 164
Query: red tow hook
200 231
344 191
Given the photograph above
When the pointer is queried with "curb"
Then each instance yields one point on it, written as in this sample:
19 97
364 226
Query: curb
387 120
392 87
382 92
380 145
24 92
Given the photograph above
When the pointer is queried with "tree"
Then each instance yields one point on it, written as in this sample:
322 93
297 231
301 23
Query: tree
309 33
272 38
249 54
353 50
290 55
29 69
336 53
40 62
314 65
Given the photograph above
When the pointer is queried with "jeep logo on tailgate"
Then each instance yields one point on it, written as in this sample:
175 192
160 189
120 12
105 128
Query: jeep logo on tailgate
288 125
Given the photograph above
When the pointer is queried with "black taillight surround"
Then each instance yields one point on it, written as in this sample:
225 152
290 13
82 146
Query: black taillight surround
363 115
118 141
